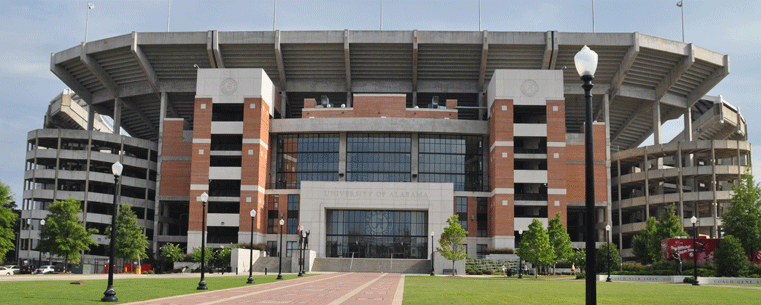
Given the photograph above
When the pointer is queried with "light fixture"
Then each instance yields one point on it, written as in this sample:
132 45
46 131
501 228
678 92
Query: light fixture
204 197
117 168
586 62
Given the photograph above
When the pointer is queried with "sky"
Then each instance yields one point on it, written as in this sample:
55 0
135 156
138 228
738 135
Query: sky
31 30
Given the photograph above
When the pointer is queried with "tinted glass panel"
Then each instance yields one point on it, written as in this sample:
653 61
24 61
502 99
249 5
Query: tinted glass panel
377 234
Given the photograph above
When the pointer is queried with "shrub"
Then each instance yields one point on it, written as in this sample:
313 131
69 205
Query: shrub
487 272
149 272
633 267
730 257
689 280
499 251
580 275
563 263
607 257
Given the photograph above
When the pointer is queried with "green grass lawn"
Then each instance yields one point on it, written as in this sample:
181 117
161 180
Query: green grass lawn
469 290
127 290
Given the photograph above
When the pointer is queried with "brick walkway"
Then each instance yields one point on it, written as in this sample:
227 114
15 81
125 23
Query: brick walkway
333 288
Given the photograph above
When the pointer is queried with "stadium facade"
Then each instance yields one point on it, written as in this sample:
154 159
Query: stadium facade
372 139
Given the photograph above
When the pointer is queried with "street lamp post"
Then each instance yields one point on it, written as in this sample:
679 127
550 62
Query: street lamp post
202 283
110 295
39 249
607 230
251 251
432 246
280 249
520 260
586 64
694 220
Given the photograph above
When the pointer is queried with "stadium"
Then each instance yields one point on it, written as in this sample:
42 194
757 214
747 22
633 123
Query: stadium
372 139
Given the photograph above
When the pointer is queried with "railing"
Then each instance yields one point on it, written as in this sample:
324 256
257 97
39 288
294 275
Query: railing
530 197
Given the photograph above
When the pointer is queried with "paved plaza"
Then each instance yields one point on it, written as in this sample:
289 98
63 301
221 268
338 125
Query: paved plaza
332 288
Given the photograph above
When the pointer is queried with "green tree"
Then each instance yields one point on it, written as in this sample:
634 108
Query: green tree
9 218
452 241
743 219
559 239
130 240
64 234
208 255
730 257
224 255
173 253
535 246
602 260
579 258
641 242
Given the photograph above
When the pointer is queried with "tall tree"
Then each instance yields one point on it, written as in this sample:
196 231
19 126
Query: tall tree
535 246
730 258
452 241
172 252
743 219
607 257
130 240
641 242
559 240
9 218
64 234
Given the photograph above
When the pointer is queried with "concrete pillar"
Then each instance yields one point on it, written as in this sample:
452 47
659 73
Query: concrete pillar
606 110
647 187
117 116
157 208
414 99
349 99
714 203
90 116
656 122
283 104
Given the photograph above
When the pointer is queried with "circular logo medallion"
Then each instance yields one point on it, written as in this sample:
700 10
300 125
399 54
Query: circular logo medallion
377 223
229 86
529 88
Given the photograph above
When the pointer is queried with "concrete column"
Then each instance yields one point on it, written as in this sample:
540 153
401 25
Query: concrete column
620 217
687 125
414 99
606 110
656 122
157 202
680 180
349 98
714 202
342 157
90 116
647 187
117 116
414 150
283 103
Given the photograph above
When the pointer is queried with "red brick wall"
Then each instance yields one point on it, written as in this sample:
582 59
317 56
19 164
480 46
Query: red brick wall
199 168
556 167
575 172
175 175
256 122
501 169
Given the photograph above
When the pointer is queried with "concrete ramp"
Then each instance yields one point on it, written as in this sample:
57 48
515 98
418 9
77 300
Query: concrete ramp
272 264
422 266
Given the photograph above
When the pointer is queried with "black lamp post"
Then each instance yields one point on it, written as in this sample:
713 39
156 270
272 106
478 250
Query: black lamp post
520 260
251 252
202 283
432 246
110 295
280 248
607 230
39 249
586 64
694 220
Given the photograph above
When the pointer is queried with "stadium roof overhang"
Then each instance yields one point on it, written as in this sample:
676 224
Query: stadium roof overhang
634 70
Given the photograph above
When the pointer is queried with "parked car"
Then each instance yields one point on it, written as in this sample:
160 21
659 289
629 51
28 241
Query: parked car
15 268
46 269
28 269
5 270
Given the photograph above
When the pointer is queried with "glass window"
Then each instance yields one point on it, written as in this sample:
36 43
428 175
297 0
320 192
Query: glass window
272 248
378 157
462 212
377 234
480 250
482 216
272 215
293 214
455 159
289 247
306 157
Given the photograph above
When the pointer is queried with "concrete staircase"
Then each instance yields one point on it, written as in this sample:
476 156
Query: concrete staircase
421 266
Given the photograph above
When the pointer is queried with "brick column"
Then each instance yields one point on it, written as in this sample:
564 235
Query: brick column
254 160
199 167
556 161
501 173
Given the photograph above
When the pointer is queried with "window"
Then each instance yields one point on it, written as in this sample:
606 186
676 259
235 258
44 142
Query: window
452 158
227 142
377 234
482 216
271 248
273 221
227 112
289 247
306 157
462 212
378 157
480 251
293 214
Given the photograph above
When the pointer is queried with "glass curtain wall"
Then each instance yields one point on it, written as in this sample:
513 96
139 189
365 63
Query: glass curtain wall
306 157
378 157
377 234
452 158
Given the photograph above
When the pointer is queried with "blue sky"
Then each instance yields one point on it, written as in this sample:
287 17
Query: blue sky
31 30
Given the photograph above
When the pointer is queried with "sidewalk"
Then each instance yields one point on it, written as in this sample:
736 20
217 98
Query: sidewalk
333 288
